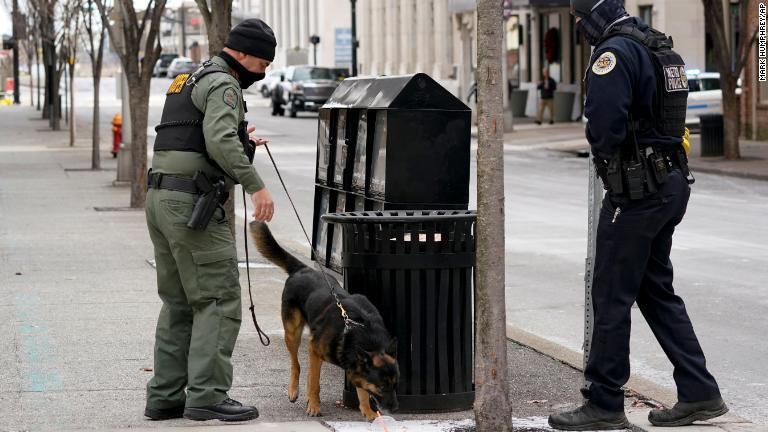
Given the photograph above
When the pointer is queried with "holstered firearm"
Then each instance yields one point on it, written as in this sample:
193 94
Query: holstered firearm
610 173
210 198
249 147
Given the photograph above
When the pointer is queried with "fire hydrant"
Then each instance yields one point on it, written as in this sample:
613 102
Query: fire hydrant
117 134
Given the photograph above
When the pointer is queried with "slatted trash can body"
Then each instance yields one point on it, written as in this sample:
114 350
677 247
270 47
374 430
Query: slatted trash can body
417 268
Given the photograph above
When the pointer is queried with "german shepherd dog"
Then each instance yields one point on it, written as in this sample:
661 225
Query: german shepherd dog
367 353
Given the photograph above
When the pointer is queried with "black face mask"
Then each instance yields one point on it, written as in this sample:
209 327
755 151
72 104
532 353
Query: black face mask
245 76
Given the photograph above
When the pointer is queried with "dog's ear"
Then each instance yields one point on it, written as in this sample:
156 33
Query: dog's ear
392 348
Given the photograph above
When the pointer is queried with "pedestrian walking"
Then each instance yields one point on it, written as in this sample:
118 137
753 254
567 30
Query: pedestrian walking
636 104
203 147
546 87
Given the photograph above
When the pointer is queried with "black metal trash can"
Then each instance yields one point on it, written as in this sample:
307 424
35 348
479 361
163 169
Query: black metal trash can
712 135
417 268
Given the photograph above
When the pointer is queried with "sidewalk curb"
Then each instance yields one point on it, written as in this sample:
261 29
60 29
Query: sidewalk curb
717 171
640 385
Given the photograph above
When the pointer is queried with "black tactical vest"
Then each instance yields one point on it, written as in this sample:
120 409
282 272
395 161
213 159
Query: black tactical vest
181 125
671 82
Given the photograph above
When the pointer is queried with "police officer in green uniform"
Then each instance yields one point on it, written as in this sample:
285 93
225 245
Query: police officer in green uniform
202 148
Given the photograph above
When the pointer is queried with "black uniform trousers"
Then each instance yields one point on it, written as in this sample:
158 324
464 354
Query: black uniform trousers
634 240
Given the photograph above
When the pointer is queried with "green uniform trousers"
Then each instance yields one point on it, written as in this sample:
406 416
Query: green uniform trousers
198 282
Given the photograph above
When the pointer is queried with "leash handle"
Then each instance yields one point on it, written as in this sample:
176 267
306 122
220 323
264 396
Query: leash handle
262 336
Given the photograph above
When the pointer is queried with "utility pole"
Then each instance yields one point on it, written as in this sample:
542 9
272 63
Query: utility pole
183 19
16 22
354 37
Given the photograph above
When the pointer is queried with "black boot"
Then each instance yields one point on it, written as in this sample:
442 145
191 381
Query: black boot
685 413
588 417
163 414
226 410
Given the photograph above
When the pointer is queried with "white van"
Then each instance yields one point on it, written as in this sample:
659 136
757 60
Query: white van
704 97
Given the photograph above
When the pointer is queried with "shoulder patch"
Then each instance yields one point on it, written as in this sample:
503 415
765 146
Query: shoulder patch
178 84
230 97
675 79
604 64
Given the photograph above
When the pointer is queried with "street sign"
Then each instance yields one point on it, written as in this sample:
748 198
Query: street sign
343 47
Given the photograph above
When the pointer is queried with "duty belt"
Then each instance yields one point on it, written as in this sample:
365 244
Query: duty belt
165 181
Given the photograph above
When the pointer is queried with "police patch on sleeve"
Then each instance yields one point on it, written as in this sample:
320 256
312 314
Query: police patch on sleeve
604 64
230 97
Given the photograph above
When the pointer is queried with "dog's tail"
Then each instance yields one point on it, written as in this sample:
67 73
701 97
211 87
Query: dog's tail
269 249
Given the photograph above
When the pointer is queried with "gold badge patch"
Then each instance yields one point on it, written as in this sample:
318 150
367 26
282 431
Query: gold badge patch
604 64
178 83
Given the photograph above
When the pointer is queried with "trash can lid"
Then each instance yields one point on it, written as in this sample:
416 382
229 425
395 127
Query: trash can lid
403 216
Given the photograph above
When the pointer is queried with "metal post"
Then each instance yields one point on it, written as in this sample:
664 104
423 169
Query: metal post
66 92
595 195
15 31
38 51
354 37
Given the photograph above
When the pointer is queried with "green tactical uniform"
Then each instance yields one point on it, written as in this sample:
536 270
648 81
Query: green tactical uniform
197 274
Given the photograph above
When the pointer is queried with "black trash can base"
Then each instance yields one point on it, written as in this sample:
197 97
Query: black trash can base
417 268
423 403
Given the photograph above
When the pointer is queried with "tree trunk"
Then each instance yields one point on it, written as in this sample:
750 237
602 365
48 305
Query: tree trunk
139 97
731 119
218 22
221 24
96 135
31 80
492 411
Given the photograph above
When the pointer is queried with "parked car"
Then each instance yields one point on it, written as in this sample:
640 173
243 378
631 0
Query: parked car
266 85
161 66
704 97
307 88
181 65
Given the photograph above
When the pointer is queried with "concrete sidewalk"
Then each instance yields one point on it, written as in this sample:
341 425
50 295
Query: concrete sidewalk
78 307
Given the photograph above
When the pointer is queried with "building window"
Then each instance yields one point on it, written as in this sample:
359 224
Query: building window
763 86
646 14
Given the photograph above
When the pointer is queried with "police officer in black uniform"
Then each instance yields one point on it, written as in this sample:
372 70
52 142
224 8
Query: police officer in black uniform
636 100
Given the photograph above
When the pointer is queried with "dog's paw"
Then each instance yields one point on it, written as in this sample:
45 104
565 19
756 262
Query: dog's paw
313 409
293 394
369 415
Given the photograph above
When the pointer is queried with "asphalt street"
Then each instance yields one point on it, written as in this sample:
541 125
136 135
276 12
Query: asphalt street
720 253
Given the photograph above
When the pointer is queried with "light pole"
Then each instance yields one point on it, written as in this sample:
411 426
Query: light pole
354 37
314 40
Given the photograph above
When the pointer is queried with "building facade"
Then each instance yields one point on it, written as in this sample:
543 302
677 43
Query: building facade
295 21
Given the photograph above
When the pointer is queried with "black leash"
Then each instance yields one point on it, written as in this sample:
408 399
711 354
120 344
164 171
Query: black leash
261 333
348 322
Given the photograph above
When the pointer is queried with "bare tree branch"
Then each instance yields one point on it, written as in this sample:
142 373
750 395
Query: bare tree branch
205 12
144 18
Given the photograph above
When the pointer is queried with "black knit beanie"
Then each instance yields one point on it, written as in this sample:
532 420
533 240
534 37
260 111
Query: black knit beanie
254 37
